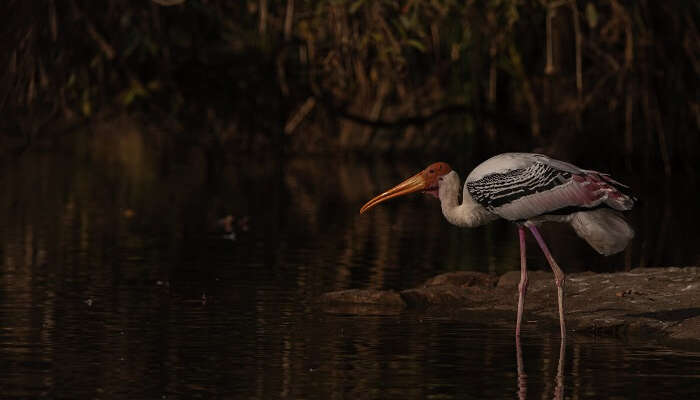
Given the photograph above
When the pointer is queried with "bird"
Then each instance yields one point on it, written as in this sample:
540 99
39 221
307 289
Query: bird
529 189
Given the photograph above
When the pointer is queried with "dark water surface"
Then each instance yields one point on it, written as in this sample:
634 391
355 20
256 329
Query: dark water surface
115 284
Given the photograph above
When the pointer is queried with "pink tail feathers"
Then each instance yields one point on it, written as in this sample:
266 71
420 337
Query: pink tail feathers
604 229
602 186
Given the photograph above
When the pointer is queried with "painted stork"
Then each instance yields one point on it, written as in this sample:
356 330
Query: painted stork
529 189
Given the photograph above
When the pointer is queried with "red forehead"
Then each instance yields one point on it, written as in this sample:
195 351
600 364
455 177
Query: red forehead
439 168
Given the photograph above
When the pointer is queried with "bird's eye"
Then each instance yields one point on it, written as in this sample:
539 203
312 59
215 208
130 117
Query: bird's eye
431 171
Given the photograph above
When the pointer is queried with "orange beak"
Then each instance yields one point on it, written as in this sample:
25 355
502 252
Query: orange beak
413 184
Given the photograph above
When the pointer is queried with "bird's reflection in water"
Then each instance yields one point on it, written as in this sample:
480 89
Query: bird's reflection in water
559 387
522 376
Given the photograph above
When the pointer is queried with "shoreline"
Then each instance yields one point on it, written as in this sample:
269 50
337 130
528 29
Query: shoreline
662 304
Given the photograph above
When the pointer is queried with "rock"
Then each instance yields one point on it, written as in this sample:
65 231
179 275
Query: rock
463 279
512 278
451 289
447 295
653 302
686 329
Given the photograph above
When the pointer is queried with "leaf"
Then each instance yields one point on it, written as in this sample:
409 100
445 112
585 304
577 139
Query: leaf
87 105
135 91
378 38
355 6
127 97
153 85
591 15
406 22
71 80
418 45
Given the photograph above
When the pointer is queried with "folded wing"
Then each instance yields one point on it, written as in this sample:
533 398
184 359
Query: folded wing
545 188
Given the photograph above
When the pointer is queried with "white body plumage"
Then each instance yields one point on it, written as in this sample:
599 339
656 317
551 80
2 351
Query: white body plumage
532 188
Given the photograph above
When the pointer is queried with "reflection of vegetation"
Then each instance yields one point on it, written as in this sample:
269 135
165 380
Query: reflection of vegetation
400 75
82 284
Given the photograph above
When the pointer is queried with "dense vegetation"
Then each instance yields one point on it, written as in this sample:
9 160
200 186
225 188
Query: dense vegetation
586 78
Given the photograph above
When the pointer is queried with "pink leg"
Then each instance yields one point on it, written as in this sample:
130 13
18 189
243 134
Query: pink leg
522 287
558 276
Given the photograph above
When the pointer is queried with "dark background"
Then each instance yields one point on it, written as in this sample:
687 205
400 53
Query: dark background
594 82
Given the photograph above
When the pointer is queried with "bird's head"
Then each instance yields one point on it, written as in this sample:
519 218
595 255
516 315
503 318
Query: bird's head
426 181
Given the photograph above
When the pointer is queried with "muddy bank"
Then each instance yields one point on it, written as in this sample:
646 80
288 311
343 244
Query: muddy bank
659 302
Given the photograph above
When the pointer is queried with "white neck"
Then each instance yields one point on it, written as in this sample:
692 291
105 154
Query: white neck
469 214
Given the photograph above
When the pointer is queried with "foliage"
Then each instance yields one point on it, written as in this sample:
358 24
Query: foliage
383 75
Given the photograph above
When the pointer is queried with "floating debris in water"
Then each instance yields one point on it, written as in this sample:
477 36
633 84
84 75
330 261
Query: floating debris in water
231 224
226 222
229 236
243 223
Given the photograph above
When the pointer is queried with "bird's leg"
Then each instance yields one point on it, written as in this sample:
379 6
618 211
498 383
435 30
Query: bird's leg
522 287
558 276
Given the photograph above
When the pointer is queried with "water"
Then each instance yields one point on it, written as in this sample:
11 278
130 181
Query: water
115 283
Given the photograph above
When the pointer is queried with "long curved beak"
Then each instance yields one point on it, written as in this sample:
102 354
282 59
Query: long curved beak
413 184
